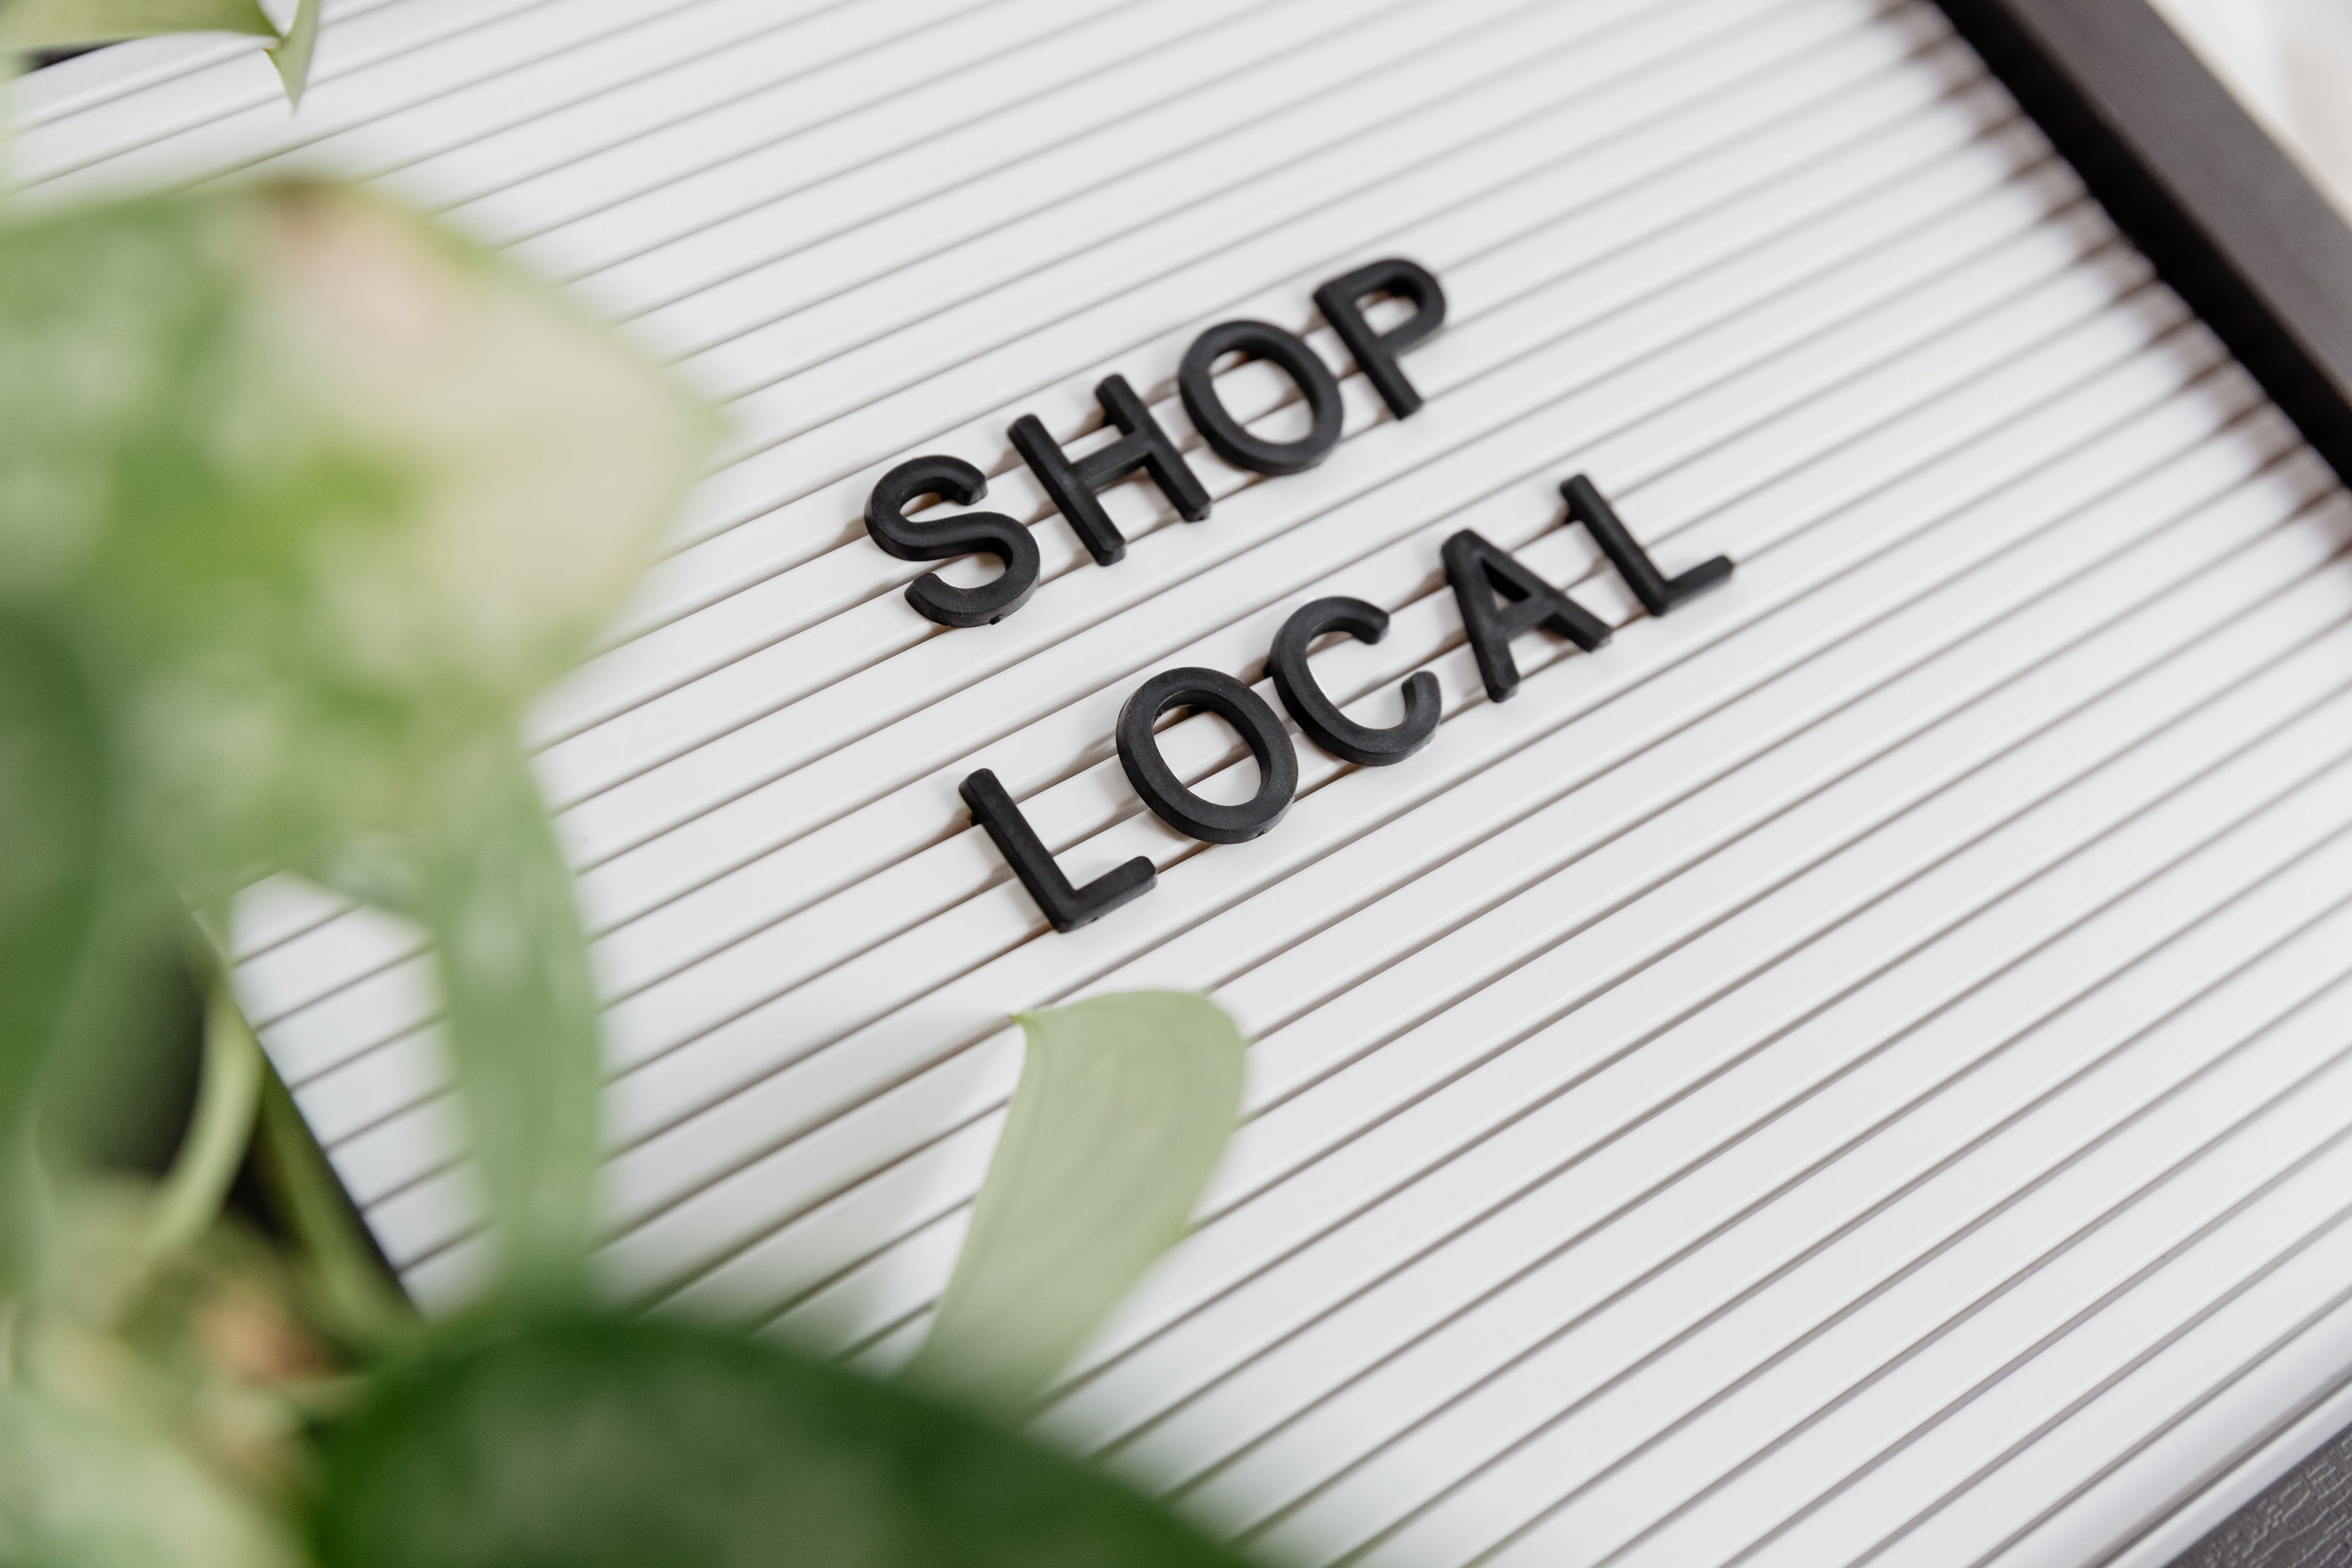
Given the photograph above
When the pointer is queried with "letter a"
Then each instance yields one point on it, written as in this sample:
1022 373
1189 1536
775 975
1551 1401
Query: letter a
1479 571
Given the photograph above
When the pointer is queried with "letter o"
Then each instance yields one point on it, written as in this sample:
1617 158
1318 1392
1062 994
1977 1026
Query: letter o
1211 691
1229 437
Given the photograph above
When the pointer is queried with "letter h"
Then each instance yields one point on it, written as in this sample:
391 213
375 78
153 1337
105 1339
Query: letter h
1073 487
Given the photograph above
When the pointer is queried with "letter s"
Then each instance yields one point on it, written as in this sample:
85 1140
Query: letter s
974 533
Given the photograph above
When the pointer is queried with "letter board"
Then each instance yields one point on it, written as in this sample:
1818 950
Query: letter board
1849 1069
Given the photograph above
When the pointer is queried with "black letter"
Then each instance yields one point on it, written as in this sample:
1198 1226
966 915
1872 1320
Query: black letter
1657 592
1068 908
979 533
1376 353
1479 571
1319 716
1171 801
1228 435
1072 485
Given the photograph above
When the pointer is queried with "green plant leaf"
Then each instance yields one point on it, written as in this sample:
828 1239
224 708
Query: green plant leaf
86 1486
53 795
602 1444
153 1416
59 24
291 54
1124 1104
521 1017
324 496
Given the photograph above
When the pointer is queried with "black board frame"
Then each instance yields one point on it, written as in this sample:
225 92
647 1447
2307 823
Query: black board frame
2230 222
2241 233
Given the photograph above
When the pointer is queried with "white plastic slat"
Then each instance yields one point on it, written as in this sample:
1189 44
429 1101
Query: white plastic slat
1704 357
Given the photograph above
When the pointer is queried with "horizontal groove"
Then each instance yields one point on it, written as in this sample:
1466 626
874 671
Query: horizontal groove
968 1042
2082 1074
857 803
1213 1215
1845 1074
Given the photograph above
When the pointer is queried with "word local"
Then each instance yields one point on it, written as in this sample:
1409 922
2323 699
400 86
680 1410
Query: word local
1477 570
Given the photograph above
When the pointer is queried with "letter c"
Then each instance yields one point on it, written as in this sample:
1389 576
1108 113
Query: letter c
1319 716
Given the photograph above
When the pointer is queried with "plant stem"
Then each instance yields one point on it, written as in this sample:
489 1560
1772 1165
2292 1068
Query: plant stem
218 1133
354 1286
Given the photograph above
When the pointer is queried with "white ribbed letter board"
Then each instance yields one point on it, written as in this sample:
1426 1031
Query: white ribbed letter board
1854 1068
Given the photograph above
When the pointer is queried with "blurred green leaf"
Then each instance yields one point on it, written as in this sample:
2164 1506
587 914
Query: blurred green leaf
291 54
53 796
1124 1104
141 1421
321 496
595 1444
119 1099
60 24
521 1017
86 1487
56 24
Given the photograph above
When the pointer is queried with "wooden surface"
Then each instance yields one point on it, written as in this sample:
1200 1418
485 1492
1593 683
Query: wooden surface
2302 1520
